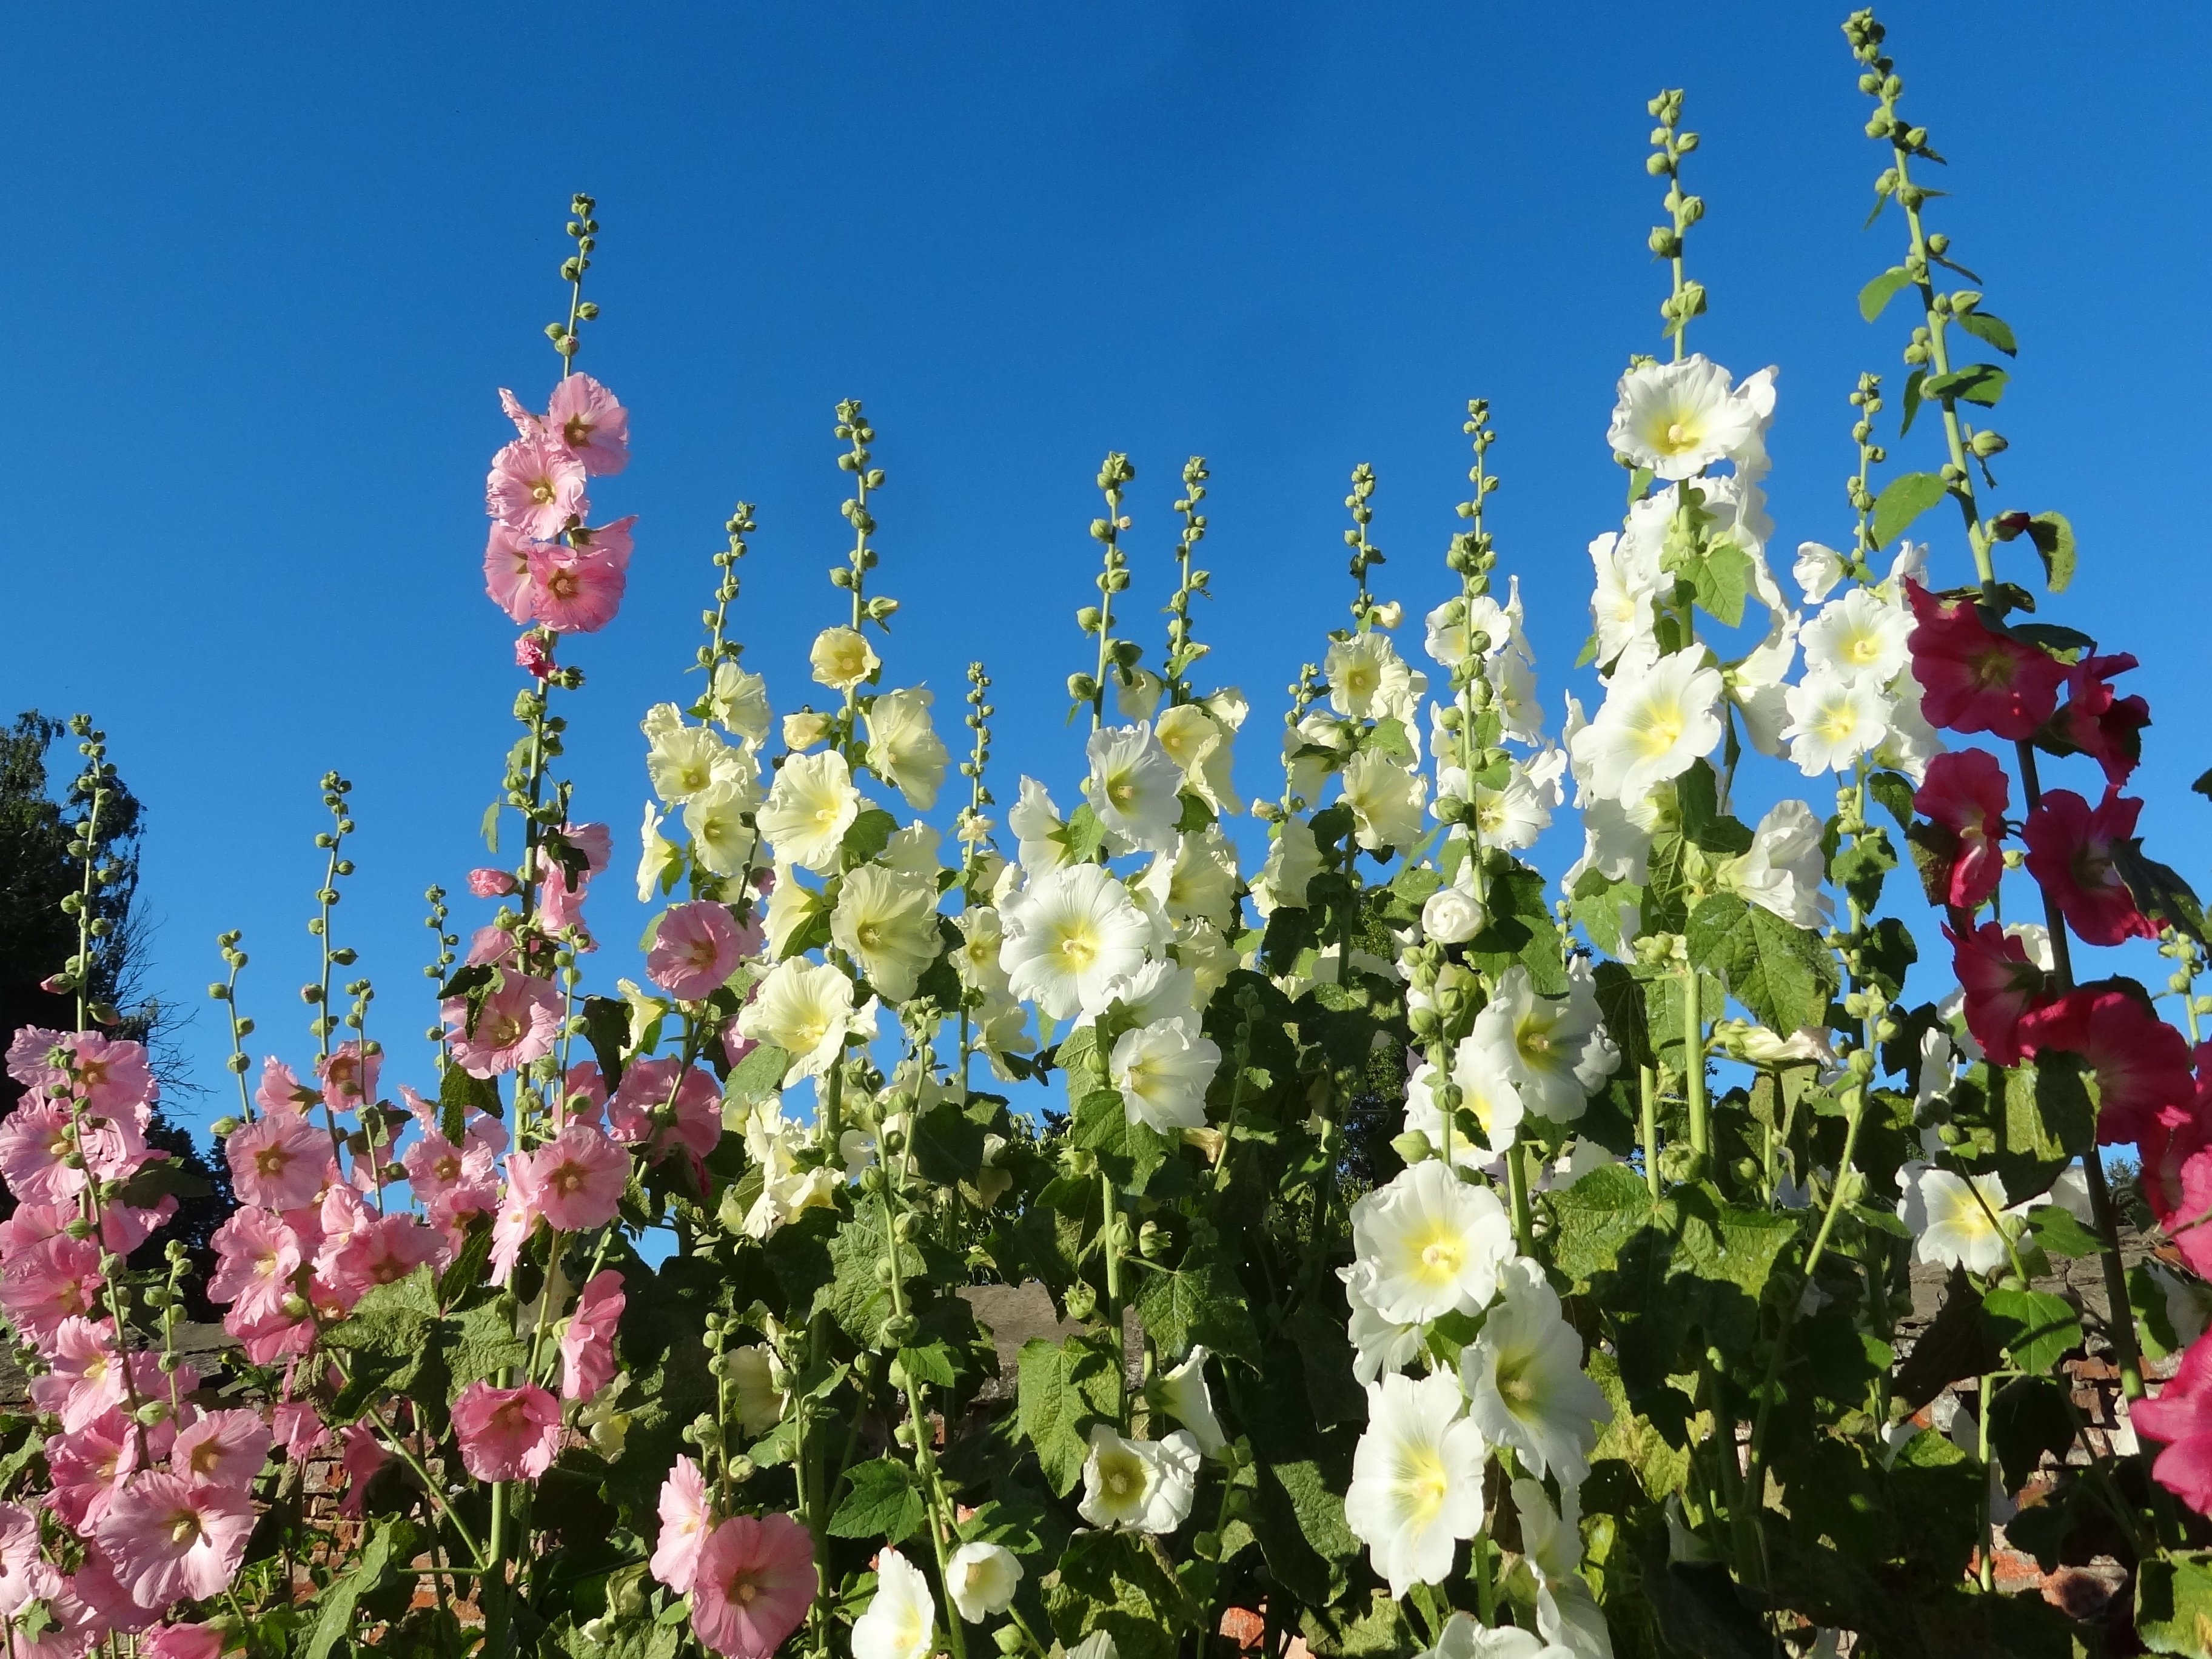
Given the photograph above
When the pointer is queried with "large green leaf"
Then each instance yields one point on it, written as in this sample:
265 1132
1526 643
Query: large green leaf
2035 1330
1783 973
1110 1582
882 1502
1064 1387
1875 296
335 1605
1903 499
2173 1604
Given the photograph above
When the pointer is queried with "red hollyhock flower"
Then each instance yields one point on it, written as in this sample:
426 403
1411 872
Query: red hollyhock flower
2069 854
2095 723
2181 1416
2001 985
1974 679
2141 1063
2177 1168
1967 792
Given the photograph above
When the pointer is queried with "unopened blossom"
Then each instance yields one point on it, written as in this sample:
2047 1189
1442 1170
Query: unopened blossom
1783 871
887 923
1140 1486
904 747
585 419
1834 718
1653 726
1162 1072
1967 792
1452 915
1679 418
535 487
696 948
1385 799
2141 1064
1416 1480
507 1434
2094 721
1973 678
1959 1221
1133 787
842 659
1183 1393
1525 1381
1428 1244
1367 678
1553 1049
981 1579
1068 936
514 1024
804 1008
2070 847
2180 1416
1463 1638
809 808
279 1161
170 1537
901 1620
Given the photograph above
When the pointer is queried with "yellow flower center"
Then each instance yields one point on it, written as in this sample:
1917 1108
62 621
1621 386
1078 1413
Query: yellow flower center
1678 437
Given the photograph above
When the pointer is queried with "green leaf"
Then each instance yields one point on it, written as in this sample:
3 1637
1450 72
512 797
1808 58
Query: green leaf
1720 579
1696 795
2053 536
1063 1387
756 1076
1903 499
1957 1344
1109 1582
2028 1417
165 1178
2035 1329
1976 383
2173 1603
1991 330
883 1503
1083 836
2158 890
948 1144
1520 931
1911 400
1783 973
1894 793
489 828
870 834
468 979
1129 1153
457 1092
479 1341
606 1028
1199 1301
336 1604
1875 296
388 1338
2059 1232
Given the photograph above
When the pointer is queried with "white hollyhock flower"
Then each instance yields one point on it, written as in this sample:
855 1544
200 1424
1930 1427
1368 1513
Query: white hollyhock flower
1463 1637
756 1380
658 858
683 761
1038 830
1496 1107
1156 992
842 658
1785 868
1385 799
1621 604
1162 1072
738 702
1293 860
1833 719
1203 747
721 840
1858 635
1512 818
1567 1614
1755 685
1183 1393
1616 839
1817 569
1680 418
791 906
1959 1221
1552 1049
804 1008
1912 743
1367 678
1486 1088
976 961
1452 915
1428 1244
1198 878
1070 934
1416 1480
1525 1382
1134 785
810 807
901 1622
1380 1344
1138 1486
887 923
981 1579
1137 692
904 748
1652 727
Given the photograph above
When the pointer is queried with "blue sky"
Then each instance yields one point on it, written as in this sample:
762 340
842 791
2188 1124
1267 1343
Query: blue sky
268 266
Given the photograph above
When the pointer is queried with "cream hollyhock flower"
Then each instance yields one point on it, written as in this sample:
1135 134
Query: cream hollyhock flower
1785 868
1202 744
1959 1221
660 860
1755 685
1514 816
1552 1049
790 905
1162 1072
976 961
1452 915
1568 1616
1138 1486
904 748
1452 624
804 1008
1313 749
1513 695
1069 935
805 729
1621 607
887 923
1416 1480
1157 991
1463 1637
684 761
756 1381
1524 1379
842 659
1184 1395
1859 636
1652 727
721 840
1912 743
809 809
1379 1344
1038 832
1680 418
1198 880
1367 678
1137 692
1833 719
1428 1244
901 1622
981 1579
1293 860
1817 569
1209 958
1487 1090
1134 785
1385 799
738 702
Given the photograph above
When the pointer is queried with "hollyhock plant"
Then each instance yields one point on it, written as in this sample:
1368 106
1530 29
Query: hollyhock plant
1416 1480
695 950
226 1446
1967 792
2001 985
685 1522
280 1162
257 1255
86 1380
575 590
587 421
652 1109
1525 1383
1974 679
54 1279
507 1434
575 1181
36 1139
2069 854
752 1584
535 488
2140 1063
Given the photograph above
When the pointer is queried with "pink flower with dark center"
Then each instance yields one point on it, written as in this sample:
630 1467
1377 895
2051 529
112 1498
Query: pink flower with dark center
56 1280
2069 854
516 1025
111 1075
280 1162
754 1583
587 1346
575 1180
2091 721
87 1378
684 1521
507 572
363 1455
490 884
436 1168
653 1110
535 487
1966 793
88 1467
34 1140
349 1077
281 1089
1974 679
507 1434
533 652
576 590
2141 1063
257 1259
694 949
2001 985
168 1537
2181 1416
382 1251
585 416
226 1446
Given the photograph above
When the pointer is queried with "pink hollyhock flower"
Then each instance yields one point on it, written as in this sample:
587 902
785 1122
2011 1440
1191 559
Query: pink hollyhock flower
1967 792
684 1520
526 424
2181 1416
513 1221
279 1162
576 590
257 1257
535 487
615 538
87 1378
575 1180
364 1454
533 653
19 1553
754 1583
266 1338
168 1537
382 1251
516 1025
88 1466
33 1224
494 945
101 1601
27 1057
56 1280
226 1446
124 1227
587 1346
736 1045
490 884
111 1075
585 416
694 949
349 1076
281 1089
34 1140
2091 721
652 1109
76 1622
2141 1063
436 1167
2001 985
583 1094
594 841
298 1429
1974 679
114 1145
507 572
507 1434
2069 854
184 1642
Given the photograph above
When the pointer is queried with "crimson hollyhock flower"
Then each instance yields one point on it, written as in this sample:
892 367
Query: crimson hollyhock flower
2177 1168
1974 679
2069 854
2141 1063
1967 792
2093 722
2001 985
2181 1416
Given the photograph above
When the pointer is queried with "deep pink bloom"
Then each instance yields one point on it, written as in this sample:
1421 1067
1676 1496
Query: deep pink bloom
684 1521
87 1378
516 1024
57 1278
595 428
507 572
2000 985
2141 1063
2181 1416
587 1346
363 1456
168 1537
575 1180
1967 792
226 1446
2069 854
184 1642
490 884
349 1076
258 1258
88 1466
577 589
34 1140
381 1251
280 1162
507 1434
694 949
1974 679
643 1114
754 1583
536 487
2091 721
533 653
281 1089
